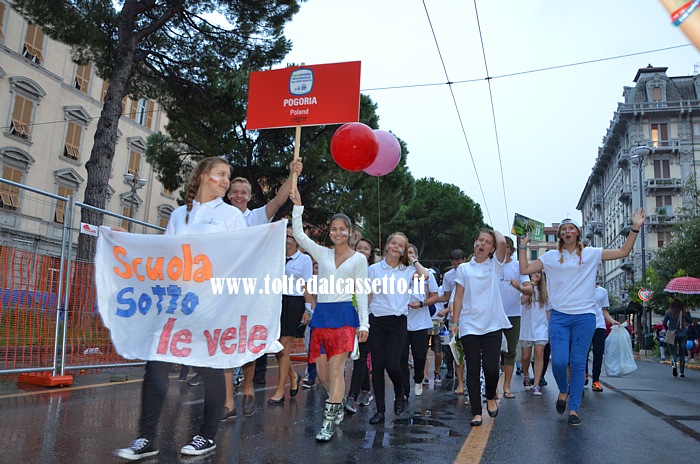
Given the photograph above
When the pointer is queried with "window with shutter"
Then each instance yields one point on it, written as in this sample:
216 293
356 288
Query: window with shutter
59 215
34 44
149 114
82 77
126 211
134 163
73 136
21 117
9 194
3 8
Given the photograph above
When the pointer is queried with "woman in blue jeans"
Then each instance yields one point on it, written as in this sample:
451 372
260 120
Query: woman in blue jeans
571 277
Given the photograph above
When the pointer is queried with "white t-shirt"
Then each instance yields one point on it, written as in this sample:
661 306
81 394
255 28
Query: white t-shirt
353 268
256 217
571 284
482 308
448 281
509 294
419 318
534 326
212 216
601 301
385 302
299 267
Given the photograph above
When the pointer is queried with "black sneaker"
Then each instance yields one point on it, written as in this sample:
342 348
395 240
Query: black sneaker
307 384
139 449
196 380
543 382
198 446
574 420
675 372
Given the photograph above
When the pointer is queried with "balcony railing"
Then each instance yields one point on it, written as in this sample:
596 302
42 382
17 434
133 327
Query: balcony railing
672 145
656 185
597 201
661 220
623 159
627 264
625 195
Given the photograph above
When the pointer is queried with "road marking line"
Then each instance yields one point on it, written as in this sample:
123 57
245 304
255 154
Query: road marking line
475 444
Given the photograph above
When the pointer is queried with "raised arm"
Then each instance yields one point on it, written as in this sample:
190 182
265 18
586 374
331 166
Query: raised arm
271 208
637 222
525 267
313 248
501 246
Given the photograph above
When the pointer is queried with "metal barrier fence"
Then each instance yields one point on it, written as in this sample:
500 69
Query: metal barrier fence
48 313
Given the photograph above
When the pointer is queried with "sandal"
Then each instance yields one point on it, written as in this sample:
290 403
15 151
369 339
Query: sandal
459 391
508 395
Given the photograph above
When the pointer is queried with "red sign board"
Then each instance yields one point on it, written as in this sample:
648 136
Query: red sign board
304 96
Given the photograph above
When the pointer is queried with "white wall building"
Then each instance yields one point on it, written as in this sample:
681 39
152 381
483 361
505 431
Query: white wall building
49 107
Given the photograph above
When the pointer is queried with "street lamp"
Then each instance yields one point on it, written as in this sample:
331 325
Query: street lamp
637 158
135 183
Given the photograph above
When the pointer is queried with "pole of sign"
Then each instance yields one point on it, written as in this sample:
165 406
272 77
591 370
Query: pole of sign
297 141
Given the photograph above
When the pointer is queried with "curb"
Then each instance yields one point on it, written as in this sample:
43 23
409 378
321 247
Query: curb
695 365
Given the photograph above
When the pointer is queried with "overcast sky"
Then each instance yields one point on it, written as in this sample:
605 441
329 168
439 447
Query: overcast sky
550 123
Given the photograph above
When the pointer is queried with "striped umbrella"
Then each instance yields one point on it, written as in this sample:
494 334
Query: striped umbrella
684 285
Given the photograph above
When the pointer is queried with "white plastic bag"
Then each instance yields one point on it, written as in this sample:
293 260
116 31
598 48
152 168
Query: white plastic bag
504 344
355 354
618 356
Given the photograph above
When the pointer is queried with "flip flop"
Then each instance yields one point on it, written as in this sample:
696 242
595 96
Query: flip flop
508 395
459 391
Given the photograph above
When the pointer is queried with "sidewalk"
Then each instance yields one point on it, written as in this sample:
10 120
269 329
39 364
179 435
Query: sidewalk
689 364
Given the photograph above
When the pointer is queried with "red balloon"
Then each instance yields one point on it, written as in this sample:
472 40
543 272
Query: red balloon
354 146
388 156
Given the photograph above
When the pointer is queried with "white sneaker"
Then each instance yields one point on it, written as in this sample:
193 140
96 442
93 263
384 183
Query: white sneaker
418 389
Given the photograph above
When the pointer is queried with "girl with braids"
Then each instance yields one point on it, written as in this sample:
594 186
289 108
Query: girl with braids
534 331
571 276
204 212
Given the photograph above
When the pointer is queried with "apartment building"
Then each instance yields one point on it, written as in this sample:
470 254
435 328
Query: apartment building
653 125
49 108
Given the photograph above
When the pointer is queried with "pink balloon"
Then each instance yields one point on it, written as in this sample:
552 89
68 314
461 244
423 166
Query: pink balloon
388 156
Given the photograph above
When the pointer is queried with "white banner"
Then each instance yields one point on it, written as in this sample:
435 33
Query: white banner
155 295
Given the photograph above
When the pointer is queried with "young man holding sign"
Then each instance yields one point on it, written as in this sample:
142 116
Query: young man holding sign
239 194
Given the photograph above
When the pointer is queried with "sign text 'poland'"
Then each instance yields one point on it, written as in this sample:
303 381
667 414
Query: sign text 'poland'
304 96
155 295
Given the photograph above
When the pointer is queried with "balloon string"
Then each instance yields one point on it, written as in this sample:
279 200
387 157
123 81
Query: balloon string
379 216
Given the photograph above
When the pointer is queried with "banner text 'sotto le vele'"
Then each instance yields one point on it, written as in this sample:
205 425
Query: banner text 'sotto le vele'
155 296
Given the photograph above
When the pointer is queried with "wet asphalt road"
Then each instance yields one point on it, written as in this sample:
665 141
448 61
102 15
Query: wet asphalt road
637 419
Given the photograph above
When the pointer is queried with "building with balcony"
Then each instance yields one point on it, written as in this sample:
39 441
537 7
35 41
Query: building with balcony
657 112
50 106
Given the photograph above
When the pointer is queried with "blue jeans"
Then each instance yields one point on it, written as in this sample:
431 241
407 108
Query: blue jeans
570 337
